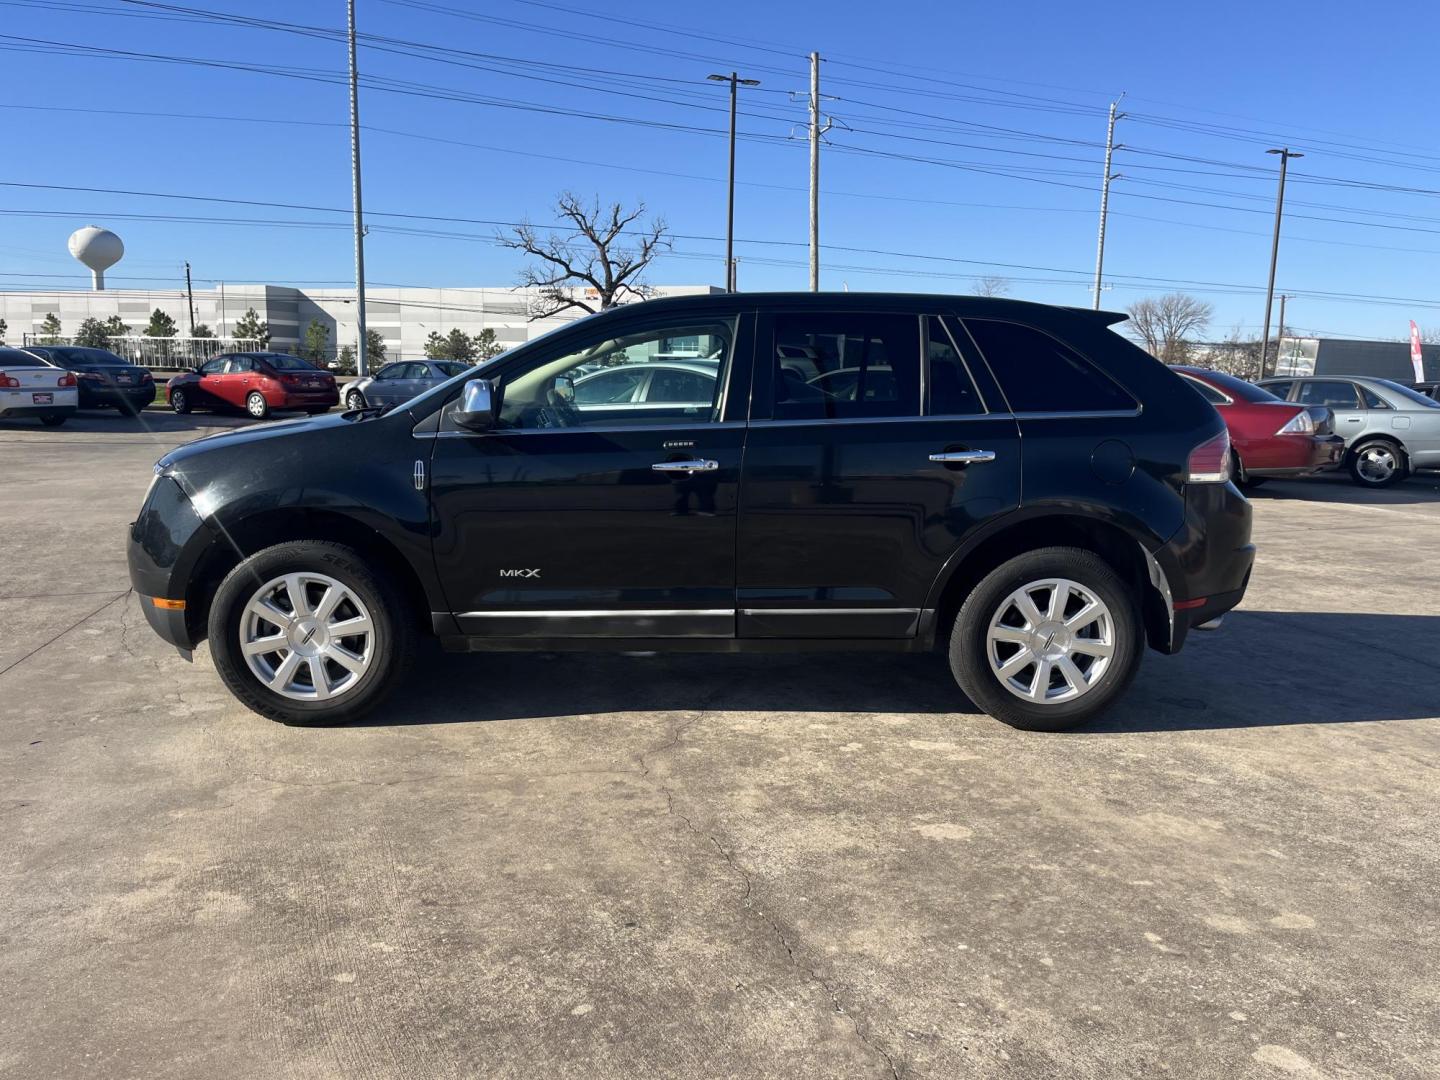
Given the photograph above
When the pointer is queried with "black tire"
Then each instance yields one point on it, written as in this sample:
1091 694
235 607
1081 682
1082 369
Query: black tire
53 421
969 659
393 647
1363 471
256 407
318 412
180 401
354 400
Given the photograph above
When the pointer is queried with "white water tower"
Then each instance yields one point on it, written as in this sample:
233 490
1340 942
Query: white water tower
97 248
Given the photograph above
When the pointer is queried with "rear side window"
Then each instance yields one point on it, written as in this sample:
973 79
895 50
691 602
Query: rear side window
1337 395
1372 399
949 387
846 366
1040 374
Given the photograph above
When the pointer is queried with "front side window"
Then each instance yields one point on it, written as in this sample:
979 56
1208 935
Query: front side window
1337 395
845 366
1279 389
668 375
216 366
1037 373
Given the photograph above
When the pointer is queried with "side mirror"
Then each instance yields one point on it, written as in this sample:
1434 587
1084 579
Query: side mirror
477 407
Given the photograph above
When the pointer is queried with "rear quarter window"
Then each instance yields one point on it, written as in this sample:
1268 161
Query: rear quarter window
1038 373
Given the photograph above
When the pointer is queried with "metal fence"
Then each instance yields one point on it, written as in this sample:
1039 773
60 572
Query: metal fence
161 354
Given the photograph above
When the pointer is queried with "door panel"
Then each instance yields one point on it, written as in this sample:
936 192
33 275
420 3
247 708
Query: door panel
558 523
846 522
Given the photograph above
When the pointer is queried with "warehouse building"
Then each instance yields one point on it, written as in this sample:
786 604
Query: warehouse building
1345 356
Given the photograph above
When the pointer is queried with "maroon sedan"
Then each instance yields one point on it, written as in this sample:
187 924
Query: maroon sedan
1268 437
256 382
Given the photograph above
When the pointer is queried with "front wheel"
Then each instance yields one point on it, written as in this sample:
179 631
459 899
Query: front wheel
354 400
1047 640
1378 464
256 405
307 633
180 401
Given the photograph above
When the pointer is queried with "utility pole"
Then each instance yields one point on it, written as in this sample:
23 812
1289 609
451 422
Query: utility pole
815 133
360 365
1280 332
735 82
1285 155
190 296
1105 195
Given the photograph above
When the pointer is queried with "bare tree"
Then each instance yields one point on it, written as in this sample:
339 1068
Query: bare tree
588 265
1164 326
990 285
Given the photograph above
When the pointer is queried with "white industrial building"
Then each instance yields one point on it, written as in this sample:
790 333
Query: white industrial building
404 318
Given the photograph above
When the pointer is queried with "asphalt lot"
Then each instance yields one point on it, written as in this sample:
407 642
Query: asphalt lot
605 866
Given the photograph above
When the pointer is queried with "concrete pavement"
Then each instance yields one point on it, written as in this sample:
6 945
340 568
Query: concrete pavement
698 866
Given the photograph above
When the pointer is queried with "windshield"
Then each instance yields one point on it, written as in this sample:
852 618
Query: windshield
285 362
1414 397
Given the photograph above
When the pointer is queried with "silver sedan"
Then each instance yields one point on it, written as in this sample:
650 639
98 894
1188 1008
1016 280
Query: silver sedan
399 382
1389 429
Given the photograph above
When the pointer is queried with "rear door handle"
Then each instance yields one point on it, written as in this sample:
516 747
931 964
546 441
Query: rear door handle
692 466
963 457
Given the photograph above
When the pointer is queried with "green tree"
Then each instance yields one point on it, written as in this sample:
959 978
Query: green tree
437 347
160 325
115 327
316 345
91 334
346 359
4 326
456 345
201 330
50 329
374 348
252 328
487 345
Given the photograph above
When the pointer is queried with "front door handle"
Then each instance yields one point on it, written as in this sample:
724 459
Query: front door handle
963 457
692 466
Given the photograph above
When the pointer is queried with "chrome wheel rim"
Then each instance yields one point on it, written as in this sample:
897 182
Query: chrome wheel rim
1051 641
256 404
307 637
1377 463
177 399
354 400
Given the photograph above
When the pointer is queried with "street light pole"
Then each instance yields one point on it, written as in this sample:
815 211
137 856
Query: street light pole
1285 155
735 82
360 364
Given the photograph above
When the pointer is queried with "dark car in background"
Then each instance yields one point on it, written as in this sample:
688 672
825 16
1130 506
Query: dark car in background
400 381
103 379
256 382
1268 436
496 513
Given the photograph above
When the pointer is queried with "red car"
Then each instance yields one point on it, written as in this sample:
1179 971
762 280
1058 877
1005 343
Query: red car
256 382
1268 437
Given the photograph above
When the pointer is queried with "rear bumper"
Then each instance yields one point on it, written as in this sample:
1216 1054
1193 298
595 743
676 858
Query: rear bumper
1303 456
1206 565
309 399
15 411
132 396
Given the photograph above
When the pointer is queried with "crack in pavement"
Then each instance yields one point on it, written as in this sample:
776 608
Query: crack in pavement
896 1071
82 620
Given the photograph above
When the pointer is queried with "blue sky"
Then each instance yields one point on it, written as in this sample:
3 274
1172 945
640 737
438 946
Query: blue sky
1006 102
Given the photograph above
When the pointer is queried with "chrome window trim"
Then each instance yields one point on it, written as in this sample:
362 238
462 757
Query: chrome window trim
849 420
1213 389
831 611
960 353
1097 414
592 613
603 429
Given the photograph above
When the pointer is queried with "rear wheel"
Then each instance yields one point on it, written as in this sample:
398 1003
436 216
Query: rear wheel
1378 463
180 401
306 633
256 405
1047 640
53 421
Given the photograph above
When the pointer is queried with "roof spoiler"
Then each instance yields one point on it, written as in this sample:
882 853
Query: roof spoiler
1104 318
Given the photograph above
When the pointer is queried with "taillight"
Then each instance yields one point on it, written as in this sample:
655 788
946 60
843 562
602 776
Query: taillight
1210 461
8 380
68 379
1302 423
147 377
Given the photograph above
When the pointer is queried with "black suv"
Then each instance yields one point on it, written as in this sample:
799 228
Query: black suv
1012 483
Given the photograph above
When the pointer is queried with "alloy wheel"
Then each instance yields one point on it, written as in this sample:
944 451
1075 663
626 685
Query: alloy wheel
353 400
1051 641
307 636
1376 463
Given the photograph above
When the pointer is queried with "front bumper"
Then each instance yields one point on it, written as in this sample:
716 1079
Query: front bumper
164 545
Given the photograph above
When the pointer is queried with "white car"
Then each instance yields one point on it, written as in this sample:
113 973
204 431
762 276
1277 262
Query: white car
31 387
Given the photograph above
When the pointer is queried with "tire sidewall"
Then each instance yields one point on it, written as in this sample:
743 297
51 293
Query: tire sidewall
393 633
970 663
